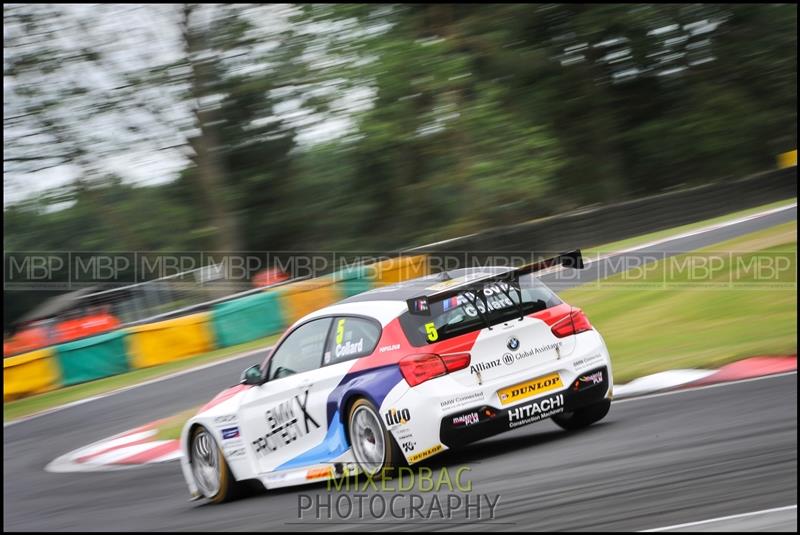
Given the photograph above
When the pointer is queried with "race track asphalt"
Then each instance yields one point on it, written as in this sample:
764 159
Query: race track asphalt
652 462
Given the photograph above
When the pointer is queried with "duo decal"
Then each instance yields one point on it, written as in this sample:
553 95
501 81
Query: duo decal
395 417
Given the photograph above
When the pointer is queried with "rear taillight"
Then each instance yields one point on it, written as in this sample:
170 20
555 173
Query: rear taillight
419 368
573 323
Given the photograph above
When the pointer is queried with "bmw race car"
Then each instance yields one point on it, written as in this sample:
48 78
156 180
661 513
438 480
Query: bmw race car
399 374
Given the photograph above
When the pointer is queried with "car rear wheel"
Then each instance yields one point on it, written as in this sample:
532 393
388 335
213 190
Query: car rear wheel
373 446
210 470
583 417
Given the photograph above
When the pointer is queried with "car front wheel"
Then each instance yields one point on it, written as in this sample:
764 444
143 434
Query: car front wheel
210 470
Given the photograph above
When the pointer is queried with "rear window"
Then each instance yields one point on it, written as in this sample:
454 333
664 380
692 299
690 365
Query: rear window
458 315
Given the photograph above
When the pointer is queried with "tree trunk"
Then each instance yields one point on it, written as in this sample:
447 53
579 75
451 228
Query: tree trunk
210 171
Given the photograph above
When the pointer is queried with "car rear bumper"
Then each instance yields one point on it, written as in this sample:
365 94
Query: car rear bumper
484 420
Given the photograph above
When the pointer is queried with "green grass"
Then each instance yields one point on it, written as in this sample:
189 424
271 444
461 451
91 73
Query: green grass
30 405
663 319
170 428
653 236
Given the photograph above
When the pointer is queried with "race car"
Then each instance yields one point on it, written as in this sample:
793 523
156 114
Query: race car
399 374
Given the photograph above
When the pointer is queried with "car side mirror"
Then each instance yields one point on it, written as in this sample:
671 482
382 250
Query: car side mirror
252 375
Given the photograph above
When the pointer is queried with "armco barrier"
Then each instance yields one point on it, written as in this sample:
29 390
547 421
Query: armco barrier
246 319
30 373
158 343
302 297
92 358
594 226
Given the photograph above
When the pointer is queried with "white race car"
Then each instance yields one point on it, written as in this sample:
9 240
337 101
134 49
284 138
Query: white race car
399 374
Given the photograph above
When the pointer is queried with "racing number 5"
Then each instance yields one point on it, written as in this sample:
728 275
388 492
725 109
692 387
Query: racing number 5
340 332
430 330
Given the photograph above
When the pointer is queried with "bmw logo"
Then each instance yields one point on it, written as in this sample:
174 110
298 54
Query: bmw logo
513 344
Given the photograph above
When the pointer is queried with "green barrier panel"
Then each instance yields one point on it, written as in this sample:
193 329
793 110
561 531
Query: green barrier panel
93 358
246 319
353 281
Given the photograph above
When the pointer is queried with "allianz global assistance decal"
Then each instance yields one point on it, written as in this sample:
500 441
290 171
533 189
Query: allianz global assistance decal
424 454
530 388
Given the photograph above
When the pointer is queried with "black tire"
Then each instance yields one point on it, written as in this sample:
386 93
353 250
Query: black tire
583 417
392 456
229 488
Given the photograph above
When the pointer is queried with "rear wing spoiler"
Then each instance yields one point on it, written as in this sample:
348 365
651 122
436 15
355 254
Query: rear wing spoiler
421 305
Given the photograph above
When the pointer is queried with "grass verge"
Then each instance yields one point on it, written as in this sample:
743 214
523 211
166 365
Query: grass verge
30 405
170 428
699 310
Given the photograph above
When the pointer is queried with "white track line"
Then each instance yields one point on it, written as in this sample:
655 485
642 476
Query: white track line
704 387
249 353
137 385
721 518
660 381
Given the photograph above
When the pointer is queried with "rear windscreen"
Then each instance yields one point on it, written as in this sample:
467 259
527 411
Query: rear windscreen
468 311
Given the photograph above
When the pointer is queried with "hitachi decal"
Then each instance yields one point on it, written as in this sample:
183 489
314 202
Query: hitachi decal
483 366
535 411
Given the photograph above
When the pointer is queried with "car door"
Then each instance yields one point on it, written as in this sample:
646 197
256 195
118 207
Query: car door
350 338
277 421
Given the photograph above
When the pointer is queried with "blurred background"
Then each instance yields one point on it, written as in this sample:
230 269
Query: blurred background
185 128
